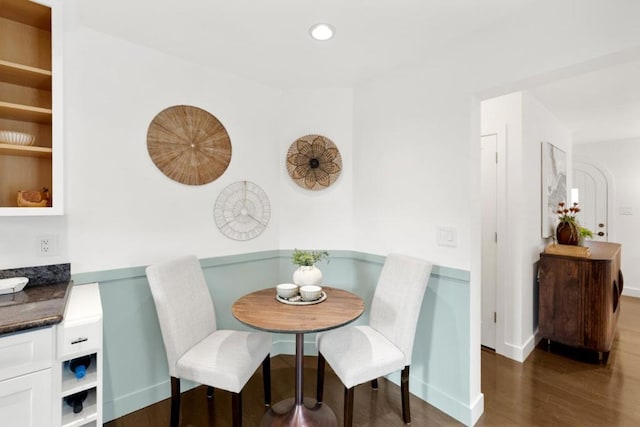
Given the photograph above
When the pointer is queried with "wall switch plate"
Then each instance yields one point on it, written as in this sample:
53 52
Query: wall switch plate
447 236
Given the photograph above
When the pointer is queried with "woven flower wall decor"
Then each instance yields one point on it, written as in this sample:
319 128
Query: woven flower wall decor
314 162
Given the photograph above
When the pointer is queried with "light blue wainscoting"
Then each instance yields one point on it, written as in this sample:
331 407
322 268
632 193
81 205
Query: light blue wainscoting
135 366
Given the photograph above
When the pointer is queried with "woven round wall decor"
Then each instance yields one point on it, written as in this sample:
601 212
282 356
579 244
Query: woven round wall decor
189 145
314 162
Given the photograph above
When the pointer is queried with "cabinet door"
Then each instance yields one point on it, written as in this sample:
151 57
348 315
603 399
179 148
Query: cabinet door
26 401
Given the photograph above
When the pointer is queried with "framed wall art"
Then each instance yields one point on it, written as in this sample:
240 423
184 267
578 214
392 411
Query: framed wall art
554 185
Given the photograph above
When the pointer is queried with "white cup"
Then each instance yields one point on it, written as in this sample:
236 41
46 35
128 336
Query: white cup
310 292
287 290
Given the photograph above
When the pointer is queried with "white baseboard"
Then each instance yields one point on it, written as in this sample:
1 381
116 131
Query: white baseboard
520 353
477 409
467 415
631 292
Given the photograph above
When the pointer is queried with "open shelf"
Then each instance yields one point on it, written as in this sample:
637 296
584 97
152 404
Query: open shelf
30 79
71 385
27 12
25 150
88 414
27 113
24 75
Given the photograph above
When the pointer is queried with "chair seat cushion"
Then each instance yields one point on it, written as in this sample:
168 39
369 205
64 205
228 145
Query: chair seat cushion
359 353
225 359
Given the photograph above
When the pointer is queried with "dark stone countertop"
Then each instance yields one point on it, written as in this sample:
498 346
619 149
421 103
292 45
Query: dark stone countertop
40 303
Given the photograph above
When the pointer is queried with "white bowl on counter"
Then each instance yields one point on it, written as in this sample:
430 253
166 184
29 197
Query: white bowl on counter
13 284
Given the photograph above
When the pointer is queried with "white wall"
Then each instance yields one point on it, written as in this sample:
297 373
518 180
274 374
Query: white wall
317 219
411 173
121 209
525 123
620 160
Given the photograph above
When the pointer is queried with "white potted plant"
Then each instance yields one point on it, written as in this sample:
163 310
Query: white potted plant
307 273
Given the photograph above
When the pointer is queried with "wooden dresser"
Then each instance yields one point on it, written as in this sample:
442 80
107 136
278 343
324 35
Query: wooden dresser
579 298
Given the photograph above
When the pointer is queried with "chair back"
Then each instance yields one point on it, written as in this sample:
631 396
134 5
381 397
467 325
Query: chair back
183 302
398 298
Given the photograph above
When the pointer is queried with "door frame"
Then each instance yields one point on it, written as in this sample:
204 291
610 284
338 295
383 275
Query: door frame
611 193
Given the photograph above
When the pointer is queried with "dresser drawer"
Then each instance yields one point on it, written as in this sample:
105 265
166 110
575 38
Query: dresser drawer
26 352
75 338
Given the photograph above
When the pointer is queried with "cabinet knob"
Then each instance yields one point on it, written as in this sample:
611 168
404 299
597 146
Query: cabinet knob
601 225
600 233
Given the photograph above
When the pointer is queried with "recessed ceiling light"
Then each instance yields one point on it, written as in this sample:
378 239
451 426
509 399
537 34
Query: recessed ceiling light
321 32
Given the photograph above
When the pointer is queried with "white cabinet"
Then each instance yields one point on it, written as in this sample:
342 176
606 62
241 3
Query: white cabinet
79 335
26 397
25 401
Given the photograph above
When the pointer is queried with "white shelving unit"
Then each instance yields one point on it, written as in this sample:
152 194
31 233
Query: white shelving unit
79 334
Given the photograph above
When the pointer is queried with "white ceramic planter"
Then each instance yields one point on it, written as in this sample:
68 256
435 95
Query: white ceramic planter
307 275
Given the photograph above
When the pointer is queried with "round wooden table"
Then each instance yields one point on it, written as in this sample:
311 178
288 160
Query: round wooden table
261 310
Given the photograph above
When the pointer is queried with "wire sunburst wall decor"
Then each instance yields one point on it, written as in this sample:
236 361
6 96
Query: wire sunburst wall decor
189 145
242 211
314 162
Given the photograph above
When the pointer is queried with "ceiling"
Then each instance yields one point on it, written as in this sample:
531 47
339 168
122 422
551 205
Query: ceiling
602 105
268 42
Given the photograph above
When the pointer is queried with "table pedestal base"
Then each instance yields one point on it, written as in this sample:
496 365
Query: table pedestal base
309 414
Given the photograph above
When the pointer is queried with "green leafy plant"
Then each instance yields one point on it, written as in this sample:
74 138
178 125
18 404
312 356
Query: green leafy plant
585 233
308 257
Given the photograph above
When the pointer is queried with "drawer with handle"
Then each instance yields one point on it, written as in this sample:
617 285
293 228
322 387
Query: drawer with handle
81 327
79 338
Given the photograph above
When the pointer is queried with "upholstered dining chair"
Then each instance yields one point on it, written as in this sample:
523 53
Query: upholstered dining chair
364 353
196 349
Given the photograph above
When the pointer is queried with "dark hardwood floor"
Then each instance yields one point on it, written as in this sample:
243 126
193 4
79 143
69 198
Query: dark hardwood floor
560 387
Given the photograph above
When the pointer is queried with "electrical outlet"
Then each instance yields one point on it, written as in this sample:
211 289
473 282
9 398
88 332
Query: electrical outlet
44 246
47 245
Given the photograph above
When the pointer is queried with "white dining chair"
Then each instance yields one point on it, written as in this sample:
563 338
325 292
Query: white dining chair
364 353
196 349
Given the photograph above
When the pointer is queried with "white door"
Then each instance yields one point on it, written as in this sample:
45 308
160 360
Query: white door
591 184
489 238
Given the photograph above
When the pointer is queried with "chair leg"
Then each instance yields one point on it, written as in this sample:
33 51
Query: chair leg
374 383
175 402
236 408
348 407
266 378
320 378
404 388
211 408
